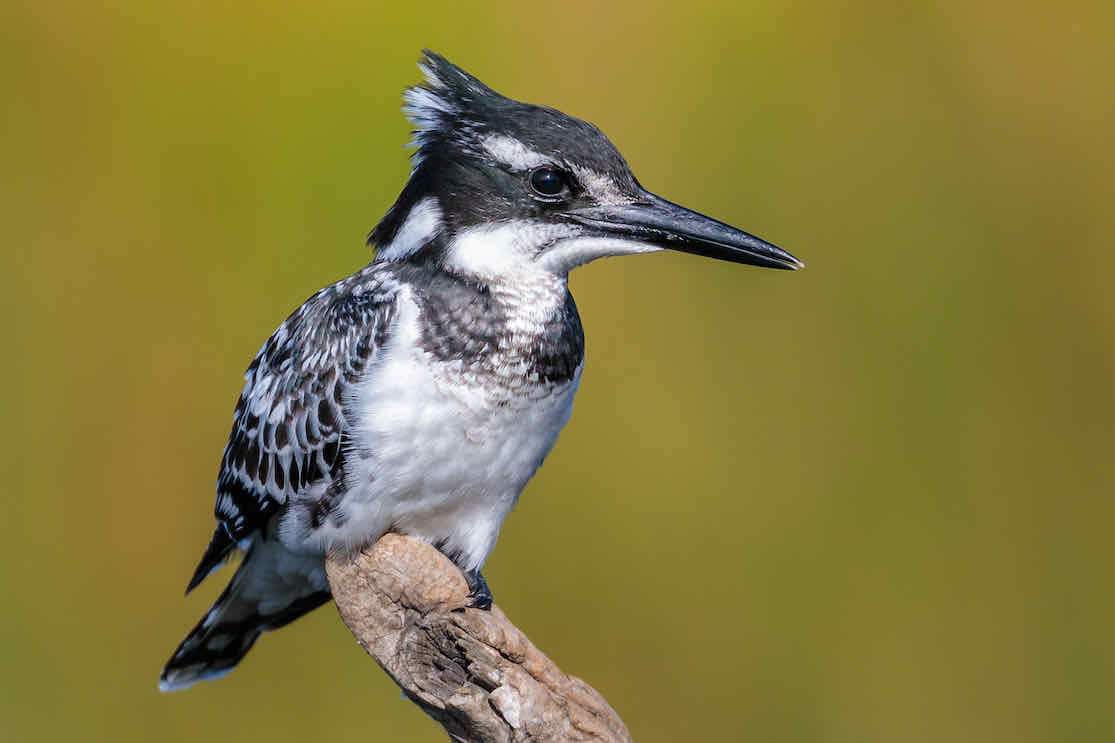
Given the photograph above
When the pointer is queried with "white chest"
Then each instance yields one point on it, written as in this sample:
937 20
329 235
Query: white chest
443 453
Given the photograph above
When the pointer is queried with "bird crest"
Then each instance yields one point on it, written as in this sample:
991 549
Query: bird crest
447 103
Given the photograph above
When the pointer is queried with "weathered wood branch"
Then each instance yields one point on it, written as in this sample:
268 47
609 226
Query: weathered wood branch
470 670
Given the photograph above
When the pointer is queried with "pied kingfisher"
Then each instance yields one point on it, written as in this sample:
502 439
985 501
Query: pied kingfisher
420 394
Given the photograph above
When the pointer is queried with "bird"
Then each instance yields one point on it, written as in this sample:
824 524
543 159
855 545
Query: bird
420 394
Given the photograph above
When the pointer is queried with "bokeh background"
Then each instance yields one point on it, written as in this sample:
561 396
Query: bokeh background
870 501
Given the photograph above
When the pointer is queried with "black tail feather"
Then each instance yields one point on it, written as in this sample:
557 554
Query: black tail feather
215 554
229 629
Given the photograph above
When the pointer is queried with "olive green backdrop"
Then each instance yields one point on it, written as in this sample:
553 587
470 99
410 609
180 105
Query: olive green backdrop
870 501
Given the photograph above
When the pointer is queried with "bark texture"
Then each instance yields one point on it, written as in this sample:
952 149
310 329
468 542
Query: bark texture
472 671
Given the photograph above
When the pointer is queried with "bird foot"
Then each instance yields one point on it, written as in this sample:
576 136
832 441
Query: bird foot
479 595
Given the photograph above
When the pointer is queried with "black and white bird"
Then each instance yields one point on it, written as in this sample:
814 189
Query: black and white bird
420 394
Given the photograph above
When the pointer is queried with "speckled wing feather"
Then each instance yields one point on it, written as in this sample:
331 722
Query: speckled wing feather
289 423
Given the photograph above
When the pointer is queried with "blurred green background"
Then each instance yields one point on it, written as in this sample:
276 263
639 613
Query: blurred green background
871 501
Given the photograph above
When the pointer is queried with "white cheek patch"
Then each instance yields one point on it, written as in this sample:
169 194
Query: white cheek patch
504 249
513 153
420 226
568 254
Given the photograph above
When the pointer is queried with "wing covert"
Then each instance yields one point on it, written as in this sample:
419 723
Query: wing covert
290 419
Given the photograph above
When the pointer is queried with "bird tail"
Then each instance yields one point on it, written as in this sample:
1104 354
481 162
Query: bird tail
272 588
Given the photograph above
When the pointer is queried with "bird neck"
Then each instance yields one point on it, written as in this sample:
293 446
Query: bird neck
526 330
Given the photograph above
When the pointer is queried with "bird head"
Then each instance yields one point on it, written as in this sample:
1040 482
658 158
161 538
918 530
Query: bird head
501 188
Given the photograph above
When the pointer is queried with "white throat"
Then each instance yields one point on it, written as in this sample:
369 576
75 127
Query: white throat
518 248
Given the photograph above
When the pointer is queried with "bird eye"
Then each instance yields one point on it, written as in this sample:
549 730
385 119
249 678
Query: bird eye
548 182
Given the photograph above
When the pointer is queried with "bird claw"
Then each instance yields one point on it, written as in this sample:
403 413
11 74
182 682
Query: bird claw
479 595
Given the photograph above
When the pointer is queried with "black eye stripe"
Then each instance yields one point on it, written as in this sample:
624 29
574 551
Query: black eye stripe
548 182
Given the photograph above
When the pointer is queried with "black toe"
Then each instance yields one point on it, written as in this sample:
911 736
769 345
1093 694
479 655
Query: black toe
479 595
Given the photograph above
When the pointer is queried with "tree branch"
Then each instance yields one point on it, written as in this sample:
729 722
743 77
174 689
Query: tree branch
472 671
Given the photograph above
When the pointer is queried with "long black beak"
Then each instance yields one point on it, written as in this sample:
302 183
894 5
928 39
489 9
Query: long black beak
659 222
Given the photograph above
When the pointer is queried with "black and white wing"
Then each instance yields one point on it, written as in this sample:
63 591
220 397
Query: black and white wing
289 422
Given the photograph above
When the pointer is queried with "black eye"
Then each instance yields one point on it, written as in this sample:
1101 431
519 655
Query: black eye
548 182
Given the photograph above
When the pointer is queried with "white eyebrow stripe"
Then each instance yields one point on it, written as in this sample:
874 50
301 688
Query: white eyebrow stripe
513 153
420 226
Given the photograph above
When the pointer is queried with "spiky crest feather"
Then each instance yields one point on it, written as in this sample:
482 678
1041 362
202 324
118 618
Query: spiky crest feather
439 106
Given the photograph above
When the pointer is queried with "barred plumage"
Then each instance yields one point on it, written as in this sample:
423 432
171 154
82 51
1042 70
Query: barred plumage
422 393
288 424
